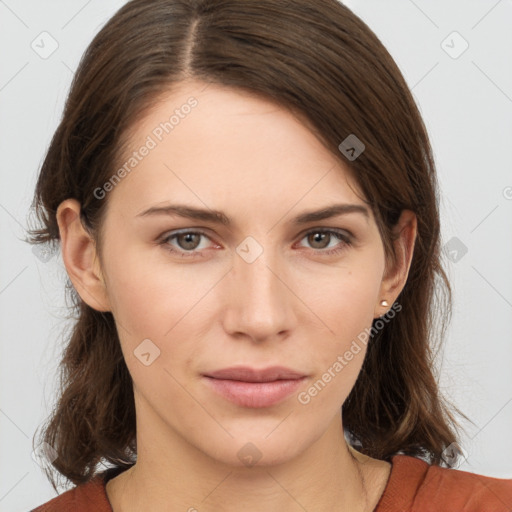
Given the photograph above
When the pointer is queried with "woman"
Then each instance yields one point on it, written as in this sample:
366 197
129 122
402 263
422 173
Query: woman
246 202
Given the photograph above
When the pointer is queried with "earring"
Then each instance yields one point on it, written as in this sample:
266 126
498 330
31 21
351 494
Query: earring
384 303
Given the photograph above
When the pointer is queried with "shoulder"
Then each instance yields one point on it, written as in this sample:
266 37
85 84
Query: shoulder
467 491
417 486
89 496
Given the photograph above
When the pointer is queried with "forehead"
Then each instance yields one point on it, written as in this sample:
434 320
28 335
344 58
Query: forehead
216 145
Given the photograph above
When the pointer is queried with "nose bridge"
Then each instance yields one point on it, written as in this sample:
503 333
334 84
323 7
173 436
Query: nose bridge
260 302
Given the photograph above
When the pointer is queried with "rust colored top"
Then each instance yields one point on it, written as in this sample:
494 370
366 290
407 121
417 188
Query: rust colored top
413 486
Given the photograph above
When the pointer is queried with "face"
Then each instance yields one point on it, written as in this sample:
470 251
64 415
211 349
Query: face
265 287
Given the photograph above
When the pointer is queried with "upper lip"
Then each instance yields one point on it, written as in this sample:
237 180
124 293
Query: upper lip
248 374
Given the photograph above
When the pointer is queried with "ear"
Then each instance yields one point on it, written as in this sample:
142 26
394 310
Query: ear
395 275
80 257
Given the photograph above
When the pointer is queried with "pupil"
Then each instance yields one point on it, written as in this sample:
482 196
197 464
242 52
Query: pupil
189 240
317 237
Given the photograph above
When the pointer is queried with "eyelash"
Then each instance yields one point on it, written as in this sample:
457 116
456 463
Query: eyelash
346 242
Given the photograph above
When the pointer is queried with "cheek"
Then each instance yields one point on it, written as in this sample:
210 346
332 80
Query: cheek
149 296
346 307
160 303
346 299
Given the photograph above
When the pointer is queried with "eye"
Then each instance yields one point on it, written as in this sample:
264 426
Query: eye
321 237
188 243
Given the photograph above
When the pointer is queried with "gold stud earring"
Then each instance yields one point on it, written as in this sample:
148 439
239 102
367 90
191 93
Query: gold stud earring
384 303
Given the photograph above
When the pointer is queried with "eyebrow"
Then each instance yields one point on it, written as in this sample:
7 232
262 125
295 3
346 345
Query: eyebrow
219 217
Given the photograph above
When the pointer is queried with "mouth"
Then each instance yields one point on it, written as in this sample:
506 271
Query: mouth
249 387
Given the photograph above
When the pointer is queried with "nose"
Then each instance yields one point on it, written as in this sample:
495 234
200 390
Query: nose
259 303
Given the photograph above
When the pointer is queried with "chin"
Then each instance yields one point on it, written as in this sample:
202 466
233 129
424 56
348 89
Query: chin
259 449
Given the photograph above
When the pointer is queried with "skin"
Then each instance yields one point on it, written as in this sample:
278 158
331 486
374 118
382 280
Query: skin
292 306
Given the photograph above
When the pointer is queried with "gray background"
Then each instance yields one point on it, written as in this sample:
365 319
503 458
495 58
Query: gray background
466 101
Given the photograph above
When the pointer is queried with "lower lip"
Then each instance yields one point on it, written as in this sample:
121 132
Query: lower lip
255 394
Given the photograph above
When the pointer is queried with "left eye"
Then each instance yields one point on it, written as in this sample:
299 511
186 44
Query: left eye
319 236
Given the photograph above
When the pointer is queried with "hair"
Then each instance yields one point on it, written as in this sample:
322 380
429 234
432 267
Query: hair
323 63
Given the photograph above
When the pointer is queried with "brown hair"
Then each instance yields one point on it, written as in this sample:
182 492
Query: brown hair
321 61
